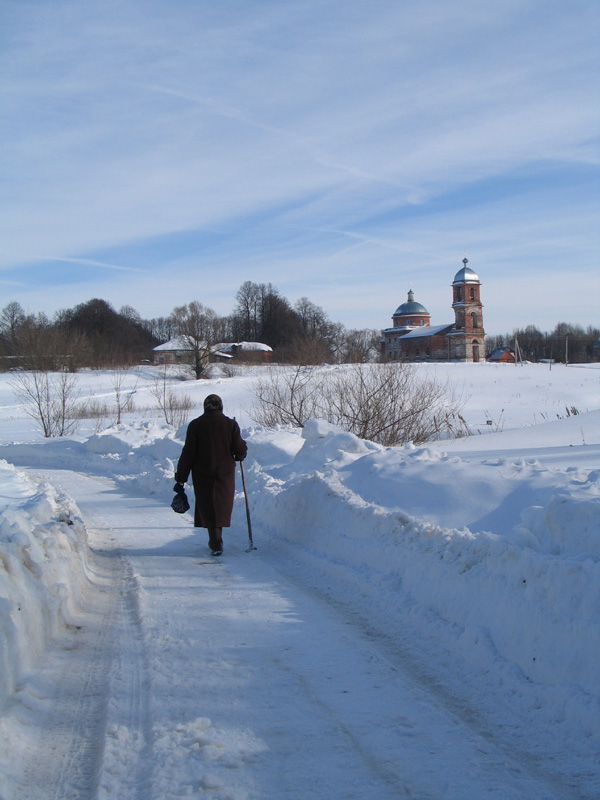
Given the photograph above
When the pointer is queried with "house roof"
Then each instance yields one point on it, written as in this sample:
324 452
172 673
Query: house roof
426 331
497 354
177 343
225 347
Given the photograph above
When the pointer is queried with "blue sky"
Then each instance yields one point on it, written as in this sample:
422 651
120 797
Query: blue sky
162 151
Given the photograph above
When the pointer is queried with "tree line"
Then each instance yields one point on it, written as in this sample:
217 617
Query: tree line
92 334
566 343
95 335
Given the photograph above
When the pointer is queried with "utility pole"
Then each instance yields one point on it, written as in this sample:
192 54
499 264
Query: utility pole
566 351
518 353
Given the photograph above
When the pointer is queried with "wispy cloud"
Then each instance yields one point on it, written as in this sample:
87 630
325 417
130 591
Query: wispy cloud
88 262
373 137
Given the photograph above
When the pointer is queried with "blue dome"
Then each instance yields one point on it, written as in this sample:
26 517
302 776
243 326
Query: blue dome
410 307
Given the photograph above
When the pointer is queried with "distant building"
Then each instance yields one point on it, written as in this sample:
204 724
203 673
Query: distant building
503 355
413 338
243 351
179 350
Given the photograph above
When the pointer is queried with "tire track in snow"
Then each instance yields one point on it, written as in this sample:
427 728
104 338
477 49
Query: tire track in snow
66 760
126 768
96 738
514 772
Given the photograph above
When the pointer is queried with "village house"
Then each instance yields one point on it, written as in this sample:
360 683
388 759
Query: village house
243 351
413 338
180 350
503 355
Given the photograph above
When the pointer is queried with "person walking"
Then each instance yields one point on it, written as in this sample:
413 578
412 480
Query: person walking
213 444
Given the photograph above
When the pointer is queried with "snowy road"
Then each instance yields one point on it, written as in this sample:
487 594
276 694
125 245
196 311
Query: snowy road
234 679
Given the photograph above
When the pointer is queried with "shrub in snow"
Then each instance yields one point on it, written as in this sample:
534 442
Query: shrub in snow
386 403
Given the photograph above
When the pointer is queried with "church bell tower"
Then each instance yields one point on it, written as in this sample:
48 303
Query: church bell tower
468 335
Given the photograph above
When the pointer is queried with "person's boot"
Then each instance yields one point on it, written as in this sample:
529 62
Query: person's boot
218 542
215 541
212 540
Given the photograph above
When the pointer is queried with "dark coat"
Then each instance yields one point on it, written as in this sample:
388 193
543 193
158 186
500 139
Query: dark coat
212 443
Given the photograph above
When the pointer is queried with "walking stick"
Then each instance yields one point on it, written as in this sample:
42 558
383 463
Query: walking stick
252 545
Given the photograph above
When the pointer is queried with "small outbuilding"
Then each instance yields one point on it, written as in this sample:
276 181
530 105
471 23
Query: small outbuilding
503 355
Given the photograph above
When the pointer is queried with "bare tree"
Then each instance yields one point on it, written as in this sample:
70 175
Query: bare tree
44 347
50 399
263 315
337 342
280 325
202 327
306 350
359 346
161 328
123 397
129 313
11 318
246 315
315 342
315 322
174 407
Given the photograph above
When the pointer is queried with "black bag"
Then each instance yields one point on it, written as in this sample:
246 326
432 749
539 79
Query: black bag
180 504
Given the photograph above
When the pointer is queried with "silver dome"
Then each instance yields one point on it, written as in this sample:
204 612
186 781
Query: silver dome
466 274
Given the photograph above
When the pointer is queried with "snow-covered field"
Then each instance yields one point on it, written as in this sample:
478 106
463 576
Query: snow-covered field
417 622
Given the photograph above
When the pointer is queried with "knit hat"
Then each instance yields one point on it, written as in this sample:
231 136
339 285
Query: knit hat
213 403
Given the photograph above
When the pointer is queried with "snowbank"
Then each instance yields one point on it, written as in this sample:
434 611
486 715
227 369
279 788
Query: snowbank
43 568
514 592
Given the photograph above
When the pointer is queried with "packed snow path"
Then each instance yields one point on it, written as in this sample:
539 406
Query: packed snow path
233 679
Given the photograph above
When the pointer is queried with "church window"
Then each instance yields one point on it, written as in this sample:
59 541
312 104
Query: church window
472 293
474 319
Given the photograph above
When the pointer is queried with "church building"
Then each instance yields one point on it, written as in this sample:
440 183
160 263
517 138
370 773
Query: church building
413 338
